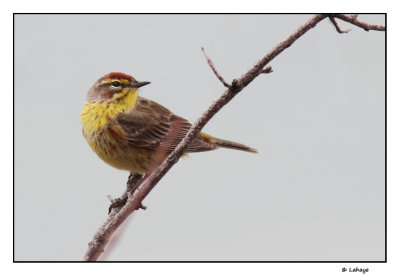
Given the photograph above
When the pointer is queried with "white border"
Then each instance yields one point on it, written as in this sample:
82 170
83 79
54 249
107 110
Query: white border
6 16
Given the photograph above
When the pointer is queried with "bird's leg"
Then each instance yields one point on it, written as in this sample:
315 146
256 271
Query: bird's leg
135 183
134 180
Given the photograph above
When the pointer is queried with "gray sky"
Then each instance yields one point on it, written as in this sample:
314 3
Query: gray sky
314 192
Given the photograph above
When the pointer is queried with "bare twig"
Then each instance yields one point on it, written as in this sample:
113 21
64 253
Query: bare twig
353 20
109 197
340 31
267 70
214 69
116 217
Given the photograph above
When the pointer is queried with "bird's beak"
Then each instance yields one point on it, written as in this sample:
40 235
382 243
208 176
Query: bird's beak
139 84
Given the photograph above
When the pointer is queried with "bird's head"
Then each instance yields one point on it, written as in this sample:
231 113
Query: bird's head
114 87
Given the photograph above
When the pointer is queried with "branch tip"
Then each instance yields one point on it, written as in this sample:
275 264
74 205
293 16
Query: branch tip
340 31
211 64
109 197
352 19
267 70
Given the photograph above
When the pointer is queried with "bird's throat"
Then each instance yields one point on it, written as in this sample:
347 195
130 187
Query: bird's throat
95 116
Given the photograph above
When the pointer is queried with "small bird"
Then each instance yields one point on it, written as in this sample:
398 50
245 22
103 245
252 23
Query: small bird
135 134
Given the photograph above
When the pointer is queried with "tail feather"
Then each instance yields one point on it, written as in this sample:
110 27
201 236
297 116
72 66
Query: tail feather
226 144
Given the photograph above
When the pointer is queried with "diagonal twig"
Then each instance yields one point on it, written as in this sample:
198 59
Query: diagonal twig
340 31
353 20
209 61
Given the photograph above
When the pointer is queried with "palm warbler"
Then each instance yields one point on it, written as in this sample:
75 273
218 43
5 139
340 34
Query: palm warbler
132 133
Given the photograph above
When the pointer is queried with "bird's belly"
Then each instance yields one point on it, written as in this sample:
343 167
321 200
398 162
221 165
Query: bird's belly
117 154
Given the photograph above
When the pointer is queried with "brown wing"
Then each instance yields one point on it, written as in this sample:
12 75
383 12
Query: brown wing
154 127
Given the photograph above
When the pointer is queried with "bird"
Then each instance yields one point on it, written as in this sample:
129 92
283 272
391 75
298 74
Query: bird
133 133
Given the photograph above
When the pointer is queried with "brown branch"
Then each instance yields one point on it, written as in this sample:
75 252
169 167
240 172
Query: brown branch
353 20
214 69
340 31
116 217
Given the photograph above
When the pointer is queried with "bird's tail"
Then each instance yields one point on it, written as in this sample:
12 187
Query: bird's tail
226 144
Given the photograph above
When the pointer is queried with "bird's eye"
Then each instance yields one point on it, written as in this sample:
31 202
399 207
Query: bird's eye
116 83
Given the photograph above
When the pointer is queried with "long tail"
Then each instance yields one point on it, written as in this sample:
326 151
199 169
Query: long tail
226 144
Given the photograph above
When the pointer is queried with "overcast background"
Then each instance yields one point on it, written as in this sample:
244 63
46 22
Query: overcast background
315 191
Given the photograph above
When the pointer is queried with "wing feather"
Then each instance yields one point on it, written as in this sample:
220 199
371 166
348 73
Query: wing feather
154 127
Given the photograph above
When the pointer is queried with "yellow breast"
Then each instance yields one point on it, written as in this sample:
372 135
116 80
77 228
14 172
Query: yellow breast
97 119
